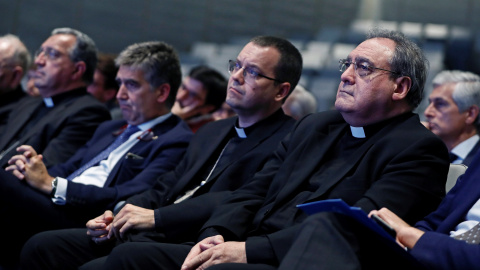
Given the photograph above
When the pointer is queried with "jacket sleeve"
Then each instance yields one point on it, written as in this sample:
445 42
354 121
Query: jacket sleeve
143 173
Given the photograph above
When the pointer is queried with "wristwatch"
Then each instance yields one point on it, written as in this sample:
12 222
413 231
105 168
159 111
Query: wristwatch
54 187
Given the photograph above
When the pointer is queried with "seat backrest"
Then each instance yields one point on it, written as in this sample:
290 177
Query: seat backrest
455 171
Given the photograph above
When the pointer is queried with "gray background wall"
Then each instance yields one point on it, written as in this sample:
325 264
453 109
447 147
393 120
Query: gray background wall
448 30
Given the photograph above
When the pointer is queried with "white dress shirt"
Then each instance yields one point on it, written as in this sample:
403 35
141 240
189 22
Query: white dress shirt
97 175
463 148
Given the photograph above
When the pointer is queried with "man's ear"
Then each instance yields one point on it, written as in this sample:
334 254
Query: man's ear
283 91
472 114
80 68
403 85
162 91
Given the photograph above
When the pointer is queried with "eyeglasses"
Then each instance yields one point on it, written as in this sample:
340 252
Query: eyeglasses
362 69
50 53
249 73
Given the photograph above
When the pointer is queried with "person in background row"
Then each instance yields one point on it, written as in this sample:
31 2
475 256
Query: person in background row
14 62
65 117
453 113
225 111
201 93
300 103
104 87
30 87
123 158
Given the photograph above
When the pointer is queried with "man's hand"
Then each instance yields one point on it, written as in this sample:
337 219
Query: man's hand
98 228
17 162
132 218
407 236
213 250
190 110
30 167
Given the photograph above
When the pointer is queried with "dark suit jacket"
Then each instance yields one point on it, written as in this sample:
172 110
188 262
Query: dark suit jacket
35 211
60 133
436 248
8 102
181 221
128 177
471 154
403 167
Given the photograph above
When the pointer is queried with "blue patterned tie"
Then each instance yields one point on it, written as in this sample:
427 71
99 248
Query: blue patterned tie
104 154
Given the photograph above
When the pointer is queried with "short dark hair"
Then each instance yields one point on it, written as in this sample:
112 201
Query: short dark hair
213 81
408 60
106 66
158 60
84 50
289 67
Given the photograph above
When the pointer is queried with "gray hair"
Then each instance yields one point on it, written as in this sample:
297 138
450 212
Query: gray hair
301 102
84 50
454 76
408 60
466 92
21 56
158 60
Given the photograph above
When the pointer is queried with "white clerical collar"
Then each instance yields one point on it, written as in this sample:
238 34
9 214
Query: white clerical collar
240 132
48 102
358 132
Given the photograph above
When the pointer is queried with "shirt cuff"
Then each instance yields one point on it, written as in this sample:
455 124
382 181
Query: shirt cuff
60 196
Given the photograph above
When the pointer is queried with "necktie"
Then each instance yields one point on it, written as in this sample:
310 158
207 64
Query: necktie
123 137
223 159
453 157
471 236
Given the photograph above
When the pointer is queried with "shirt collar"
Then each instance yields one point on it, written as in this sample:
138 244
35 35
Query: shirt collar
463 148
370 130
59 98
358 132
151 123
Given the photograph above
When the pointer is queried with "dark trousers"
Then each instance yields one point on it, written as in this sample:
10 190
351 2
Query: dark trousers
334 241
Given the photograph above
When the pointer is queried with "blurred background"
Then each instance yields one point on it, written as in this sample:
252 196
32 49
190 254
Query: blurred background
213 31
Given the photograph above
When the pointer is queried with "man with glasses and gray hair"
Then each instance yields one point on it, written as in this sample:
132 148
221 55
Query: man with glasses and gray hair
14 62
453 113
65 116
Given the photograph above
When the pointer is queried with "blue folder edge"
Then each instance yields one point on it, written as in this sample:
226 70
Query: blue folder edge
339 206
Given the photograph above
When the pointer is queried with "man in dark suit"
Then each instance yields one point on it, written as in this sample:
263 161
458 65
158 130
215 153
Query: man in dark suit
262 76
433 243
66 116
372 152
453 113
14 62
68 194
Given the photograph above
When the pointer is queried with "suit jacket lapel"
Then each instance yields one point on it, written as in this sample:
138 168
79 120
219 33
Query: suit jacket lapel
157 130
201 159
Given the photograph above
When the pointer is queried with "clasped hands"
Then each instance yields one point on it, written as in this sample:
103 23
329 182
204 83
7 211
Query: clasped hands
107 227
210 251
29 166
